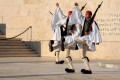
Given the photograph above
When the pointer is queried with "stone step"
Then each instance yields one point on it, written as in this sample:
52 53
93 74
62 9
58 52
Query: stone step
10 41
15 50
19 52
15 39
11 44
19 55
2 36
13 47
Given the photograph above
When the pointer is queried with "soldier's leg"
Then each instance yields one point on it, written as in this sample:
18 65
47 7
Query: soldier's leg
85 60
71 45
68 46
57 53
58 46
74 43
69 60
51 47
80 41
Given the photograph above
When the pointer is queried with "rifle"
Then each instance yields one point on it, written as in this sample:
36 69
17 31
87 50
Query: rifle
50 12
83 7
95 15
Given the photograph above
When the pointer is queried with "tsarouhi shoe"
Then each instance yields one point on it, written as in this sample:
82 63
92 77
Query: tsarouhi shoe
50 45
86 71
60 62
69 70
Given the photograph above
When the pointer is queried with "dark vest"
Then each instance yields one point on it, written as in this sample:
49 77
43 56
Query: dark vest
68 27
86 27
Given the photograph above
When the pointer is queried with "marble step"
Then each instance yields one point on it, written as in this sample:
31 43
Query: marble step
19 55
11 44
15 50
13 47
15 39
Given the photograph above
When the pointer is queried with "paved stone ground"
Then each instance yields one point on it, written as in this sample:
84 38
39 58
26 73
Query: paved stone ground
36 68
110 64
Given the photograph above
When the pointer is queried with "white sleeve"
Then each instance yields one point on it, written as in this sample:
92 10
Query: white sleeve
95 36
98 35
57 34
77 31
76 17
79 28
58 19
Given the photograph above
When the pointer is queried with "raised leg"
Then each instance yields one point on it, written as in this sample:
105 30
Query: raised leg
71 45
51 42
74 43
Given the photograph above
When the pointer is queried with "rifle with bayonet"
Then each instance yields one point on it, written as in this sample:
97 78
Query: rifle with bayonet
83 7
93 17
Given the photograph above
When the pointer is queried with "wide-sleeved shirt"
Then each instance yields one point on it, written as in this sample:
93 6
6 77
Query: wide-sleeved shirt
58 19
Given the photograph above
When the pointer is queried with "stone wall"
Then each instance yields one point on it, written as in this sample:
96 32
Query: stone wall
20 14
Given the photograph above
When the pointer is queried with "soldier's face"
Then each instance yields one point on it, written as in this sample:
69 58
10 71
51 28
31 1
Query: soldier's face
87 16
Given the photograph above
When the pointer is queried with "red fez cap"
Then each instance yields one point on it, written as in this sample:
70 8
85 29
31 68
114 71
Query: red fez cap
70 12
89 12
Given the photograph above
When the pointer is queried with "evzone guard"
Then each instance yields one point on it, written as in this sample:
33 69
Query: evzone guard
88 38
66 33
58 20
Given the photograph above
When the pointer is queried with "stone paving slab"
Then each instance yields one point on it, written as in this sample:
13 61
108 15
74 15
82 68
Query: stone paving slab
34 68
110 64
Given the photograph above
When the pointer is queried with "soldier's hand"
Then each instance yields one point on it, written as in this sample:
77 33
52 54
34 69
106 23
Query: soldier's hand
57 4
76 4
86 33
58 41
70 31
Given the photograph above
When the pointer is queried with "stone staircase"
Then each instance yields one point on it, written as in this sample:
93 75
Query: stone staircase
15 48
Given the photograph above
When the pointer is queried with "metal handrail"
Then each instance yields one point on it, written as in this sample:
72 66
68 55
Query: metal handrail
20 34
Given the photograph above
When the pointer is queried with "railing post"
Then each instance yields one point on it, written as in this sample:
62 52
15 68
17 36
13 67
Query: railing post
31 34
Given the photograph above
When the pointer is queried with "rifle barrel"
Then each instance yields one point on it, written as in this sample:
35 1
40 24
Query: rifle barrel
83 7
93 17
51 13
101 3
